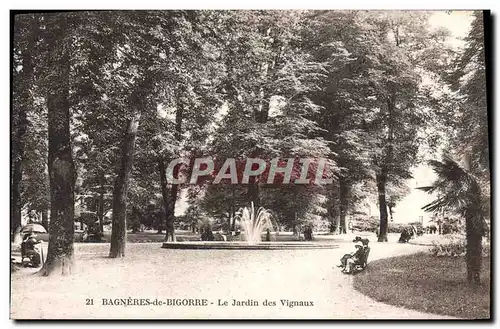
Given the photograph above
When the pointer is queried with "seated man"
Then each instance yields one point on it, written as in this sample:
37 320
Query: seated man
357 258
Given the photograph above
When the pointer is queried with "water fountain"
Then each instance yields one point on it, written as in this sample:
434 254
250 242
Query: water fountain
253 224
414 231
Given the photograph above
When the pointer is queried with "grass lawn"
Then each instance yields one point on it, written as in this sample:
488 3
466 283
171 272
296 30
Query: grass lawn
426 283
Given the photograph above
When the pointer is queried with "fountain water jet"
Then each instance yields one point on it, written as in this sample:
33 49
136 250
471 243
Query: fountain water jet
253 223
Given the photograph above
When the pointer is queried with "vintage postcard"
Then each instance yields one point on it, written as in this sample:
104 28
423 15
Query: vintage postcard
250 164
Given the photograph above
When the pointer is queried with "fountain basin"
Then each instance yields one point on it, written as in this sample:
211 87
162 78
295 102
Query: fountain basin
203 245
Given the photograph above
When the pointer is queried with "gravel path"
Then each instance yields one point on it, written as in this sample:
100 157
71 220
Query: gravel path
152 272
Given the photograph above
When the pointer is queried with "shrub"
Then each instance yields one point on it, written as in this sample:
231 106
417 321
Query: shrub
396 227
455 246
452 225
220 224
365 224
452 246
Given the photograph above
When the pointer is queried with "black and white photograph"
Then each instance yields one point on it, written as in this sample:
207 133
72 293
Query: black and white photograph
291 164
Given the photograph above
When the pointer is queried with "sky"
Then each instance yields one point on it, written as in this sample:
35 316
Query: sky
458 22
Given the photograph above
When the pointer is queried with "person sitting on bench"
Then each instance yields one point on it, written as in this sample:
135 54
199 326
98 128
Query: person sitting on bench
365 242
405 236
356 259
28 249
353 257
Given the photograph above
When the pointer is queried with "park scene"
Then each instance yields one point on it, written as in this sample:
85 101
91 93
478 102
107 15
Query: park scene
250 164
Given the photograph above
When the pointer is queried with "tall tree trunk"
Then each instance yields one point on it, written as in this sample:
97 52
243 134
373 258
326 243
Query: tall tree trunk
170 229
261 115
382 175
169 200
337 224
253 191
17 157
331 228
45 218
474 228
162 221
473 251
381 183
228 231
170 214
60 161
332 210
100 206
164 192
344 203
335 208
119 229
136 220
25 102
233 207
